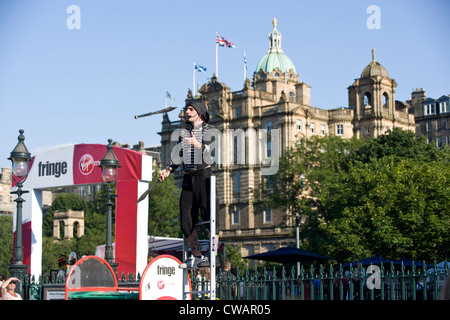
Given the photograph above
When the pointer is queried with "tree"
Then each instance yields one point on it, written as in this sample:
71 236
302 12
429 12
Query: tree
95 226
399 143
164 208
62 202
390 207
6 243
233 254
387 196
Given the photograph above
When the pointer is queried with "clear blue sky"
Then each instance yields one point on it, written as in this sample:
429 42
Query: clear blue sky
85 85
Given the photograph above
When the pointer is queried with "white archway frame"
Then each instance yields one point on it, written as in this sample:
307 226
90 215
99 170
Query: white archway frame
77 164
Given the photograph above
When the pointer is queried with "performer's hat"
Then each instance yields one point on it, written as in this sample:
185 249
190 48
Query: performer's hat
200 107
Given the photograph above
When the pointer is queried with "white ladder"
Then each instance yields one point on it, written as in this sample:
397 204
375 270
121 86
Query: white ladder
212 249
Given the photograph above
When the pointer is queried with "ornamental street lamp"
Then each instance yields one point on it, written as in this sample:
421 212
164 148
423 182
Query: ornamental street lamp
20 158
109 165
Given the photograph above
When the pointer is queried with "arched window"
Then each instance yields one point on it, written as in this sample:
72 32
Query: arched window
76 226
367 99
61 230
385 100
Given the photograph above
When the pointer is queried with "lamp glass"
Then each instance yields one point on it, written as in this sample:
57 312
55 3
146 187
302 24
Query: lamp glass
20 167
109 174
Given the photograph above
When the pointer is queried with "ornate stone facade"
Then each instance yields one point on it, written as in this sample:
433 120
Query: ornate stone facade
277 100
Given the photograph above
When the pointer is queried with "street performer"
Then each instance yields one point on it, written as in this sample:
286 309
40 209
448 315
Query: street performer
195 190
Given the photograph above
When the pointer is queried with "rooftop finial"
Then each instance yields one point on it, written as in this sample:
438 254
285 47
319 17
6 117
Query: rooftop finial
274 22
373 54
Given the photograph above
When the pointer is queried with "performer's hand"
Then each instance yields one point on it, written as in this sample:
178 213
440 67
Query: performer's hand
192 141
164 174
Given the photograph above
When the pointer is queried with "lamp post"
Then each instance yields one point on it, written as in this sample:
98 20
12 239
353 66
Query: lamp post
109 165
20 158
299 220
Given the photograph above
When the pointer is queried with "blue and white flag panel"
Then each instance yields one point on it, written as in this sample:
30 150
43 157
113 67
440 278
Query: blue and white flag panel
199 68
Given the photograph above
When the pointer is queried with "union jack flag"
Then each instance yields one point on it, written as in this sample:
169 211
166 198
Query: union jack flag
222 42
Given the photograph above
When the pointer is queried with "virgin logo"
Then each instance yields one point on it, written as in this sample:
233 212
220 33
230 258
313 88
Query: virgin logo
160 284
87 164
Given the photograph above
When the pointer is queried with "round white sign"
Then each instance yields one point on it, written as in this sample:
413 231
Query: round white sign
162 279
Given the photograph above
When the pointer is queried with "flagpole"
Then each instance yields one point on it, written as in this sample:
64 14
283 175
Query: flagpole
217 58
245 73
193 81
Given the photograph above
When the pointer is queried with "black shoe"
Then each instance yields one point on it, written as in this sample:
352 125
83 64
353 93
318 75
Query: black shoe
204 263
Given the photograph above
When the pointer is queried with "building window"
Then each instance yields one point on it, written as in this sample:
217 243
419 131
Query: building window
267 182
236 184
340 129
429 109
385 100
429 126
299 124
292 94
267 215
444 107
322 129
439 142
367 99
312 128
235 217
269 126
237 112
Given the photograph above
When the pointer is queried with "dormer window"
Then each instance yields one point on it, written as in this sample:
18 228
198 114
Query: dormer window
444 107
429 109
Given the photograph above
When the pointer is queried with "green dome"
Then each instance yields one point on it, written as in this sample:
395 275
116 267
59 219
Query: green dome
275 57
275 60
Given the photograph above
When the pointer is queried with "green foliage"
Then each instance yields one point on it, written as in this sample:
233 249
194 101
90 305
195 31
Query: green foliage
387 196
6 243
95 226
233 254
164 208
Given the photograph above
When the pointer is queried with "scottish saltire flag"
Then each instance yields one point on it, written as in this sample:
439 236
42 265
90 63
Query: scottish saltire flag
169 96
199 68
222 42
245 62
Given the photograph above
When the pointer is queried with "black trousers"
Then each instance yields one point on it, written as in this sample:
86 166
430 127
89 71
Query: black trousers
195 197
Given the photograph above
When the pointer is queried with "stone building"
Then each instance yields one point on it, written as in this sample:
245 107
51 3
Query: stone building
277 105
68 224
6 198
432 117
